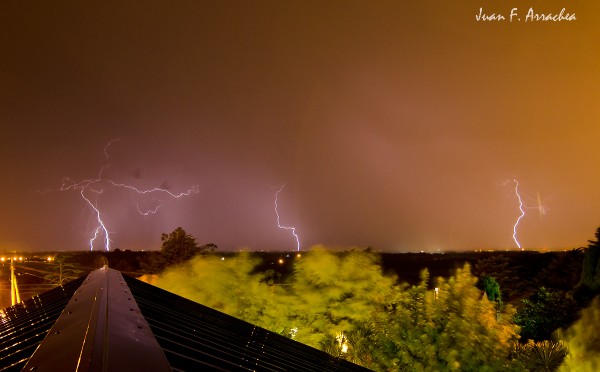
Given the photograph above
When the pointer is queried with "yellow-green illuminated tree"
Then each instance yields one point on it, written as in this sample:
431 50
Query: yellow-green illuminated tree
333 293
453 328
344 304
583 341
227 285
471 335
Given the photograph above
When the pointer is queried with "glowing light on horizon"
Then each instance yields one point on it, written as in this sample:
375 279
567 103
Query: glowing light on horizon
96 187
290 228
521 216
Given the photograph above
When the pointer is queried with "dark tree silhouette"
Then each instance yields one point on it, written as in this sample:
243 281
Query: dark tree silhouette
177 248
590 273
543 313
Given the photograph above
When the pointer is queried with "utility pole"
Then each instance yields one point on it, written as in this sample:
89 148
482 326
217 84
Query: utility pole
14 289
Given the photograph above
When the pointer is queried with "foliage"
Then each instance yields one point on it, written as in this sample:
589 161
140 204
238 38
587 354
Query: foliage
542 356
507 272
590 273
344 304
544 313
227 285
564 270
332 293
63 273
63 269
457 330
491 288
177 248
583 341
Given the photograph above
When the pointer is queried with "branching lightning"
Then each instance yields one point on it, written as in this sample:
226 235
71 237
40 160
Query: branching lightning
91 189
521 216
290 228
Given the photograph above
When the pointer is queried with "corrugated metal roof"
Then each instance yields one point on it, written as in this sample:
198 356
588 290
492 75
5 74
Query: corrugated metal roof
195 337
100 329
25 325
116 313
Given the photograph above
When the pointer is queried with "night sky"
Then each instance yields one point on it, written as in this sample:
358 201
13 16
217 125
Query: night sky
399 125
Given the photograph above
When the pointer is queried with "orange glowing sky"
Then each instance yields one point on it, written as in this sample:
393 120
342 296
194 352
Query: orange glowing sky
394 124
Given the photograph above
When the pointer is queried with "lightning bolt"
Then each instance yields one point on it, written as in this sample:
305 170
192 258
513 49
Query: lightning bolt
290 228
91 189
521 216
108 146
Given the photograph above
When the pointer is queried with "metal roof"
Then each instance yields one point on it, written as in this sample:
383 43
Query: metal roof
113 323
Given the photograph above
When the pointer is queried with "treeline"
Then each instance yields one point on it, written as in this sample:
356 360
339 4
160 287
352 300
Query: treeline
346 304
491 310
